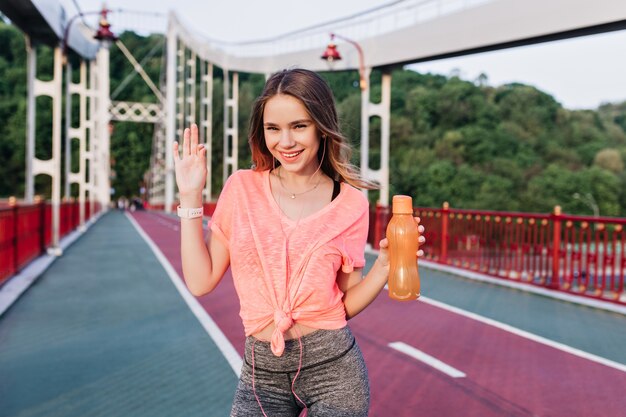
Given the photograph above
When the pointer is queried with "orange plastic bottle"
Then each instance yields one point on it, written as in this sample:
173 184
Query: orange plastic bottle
402 233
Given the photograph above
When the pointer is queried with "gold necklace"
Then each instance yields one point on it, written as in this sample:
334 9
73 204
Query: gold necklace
293 195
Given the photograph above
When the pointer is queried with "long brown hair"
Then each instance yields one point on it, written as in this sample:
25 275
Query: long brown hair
315 94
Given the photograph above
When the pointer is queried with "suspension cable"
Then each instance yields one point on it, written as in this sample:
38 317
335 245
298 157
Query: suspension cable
139 68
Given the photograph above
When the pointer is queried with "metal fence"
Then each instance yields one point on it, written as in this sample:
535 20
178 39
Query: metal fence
26 232
576 254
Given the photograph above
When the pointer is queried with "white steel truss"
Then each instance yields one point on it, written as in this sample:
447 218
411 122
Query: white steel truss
92 156
156 178
77 133
183 109
128 111
170 114
206 120
52 166
231 125
382 110
180 91
190 88
103 166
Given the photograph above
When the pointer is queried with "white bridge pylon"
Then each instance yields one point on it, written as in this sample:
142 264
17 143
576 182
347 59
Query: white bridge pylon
91 133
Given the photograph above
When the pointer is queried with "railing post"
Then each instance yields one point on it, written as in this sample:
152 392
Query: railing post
378 226
444 232
13 204
556 247
42 219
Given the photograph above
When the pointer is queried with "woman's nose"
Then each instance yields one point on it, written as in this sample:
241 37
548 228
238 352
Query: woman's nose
286 139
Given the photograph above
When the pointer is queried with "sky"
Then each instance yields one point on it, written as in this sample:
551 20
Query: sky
580 73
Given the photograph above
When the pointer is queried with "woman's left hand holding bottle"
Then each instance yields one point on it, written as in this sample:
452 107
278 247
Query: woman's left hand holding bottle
383 253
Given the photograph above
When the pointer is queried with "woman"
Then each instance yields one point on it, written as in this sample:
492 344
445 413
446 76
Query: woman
293 230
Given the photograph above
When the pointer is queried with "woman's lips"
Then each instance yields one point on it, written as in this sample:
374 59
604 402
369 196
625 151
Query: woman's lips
290 156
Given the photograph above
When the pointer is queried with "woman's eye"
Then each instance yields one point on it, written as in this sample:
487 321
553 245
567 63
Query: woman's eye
300 126
270 128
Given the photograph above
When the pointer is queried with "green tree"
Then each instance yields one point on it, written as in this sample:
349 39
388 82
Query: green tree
610 160
496 193
604 186
553 186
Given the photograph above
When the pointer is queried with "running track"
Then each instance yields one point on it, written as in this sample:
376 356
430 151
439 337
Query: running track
506 374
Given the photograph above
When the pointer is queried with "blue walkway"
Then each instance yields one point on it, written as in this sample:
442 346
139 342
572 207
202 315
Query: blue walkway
103 332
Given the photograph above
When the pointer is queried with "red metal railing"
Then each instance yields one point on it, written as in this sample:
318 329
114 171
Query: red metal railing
576 254
26 232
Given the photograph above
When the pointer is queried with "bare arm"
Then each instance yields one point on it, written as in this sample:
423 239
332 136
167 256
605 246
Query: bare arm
359 292
204 263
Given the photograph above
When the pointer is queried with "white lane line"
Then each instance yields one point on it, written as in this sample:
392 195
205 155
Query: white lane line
527 335
572 298
232 356
427 359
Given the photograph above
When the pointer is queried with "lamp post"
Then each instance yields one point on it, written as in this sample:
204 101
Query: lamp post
368 109
331 54
103 34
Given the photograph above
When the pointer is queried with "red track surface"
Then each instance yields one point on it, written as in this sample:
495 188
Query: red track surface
507 375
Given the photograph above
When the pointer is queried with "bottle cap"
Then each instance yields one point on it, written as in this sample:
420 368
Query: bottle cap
402 204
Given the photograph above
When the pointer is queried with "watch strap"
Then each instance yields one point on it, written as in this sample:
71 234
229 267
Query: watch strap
189 213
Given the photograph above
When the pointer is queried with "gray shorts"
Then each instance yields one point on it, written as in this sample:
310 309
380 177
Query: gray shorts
332 380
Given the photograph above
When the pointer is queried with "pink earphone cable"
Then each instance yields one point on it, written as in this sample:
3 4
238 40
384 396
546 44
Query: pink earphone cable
305 410
253 387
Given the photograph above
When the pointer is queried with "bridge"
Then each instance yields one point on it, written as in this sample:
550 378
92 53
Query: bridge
522 313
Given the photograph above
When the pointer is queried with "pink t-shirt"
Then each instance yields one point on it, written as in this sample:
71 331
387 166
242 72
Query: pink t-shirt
248 220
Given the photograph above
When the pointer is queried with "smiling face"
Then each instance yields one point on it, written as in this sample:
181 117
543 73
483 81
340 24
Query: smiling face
290 134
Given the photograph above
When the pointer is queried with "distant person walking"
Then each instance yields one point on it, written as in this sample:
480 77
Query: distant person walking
293 230
122 203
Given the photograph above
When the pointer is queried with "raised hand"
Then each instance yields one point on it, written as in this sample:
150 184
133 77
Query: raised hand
190 168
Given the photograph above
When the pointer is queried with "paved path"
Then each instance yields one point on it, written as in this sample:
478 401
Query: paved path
507 374
106 332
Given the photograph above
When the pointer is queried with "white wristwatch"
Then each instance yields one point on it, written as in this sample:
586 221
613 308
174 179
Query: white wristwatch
189 213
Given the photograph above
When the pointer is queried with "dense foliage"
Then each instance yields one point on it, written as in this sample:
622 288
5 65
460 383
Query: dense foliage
511 147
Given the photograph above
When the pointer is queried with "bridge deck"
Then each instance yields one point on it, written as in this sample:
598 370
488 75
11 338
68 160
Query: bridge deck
105 332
